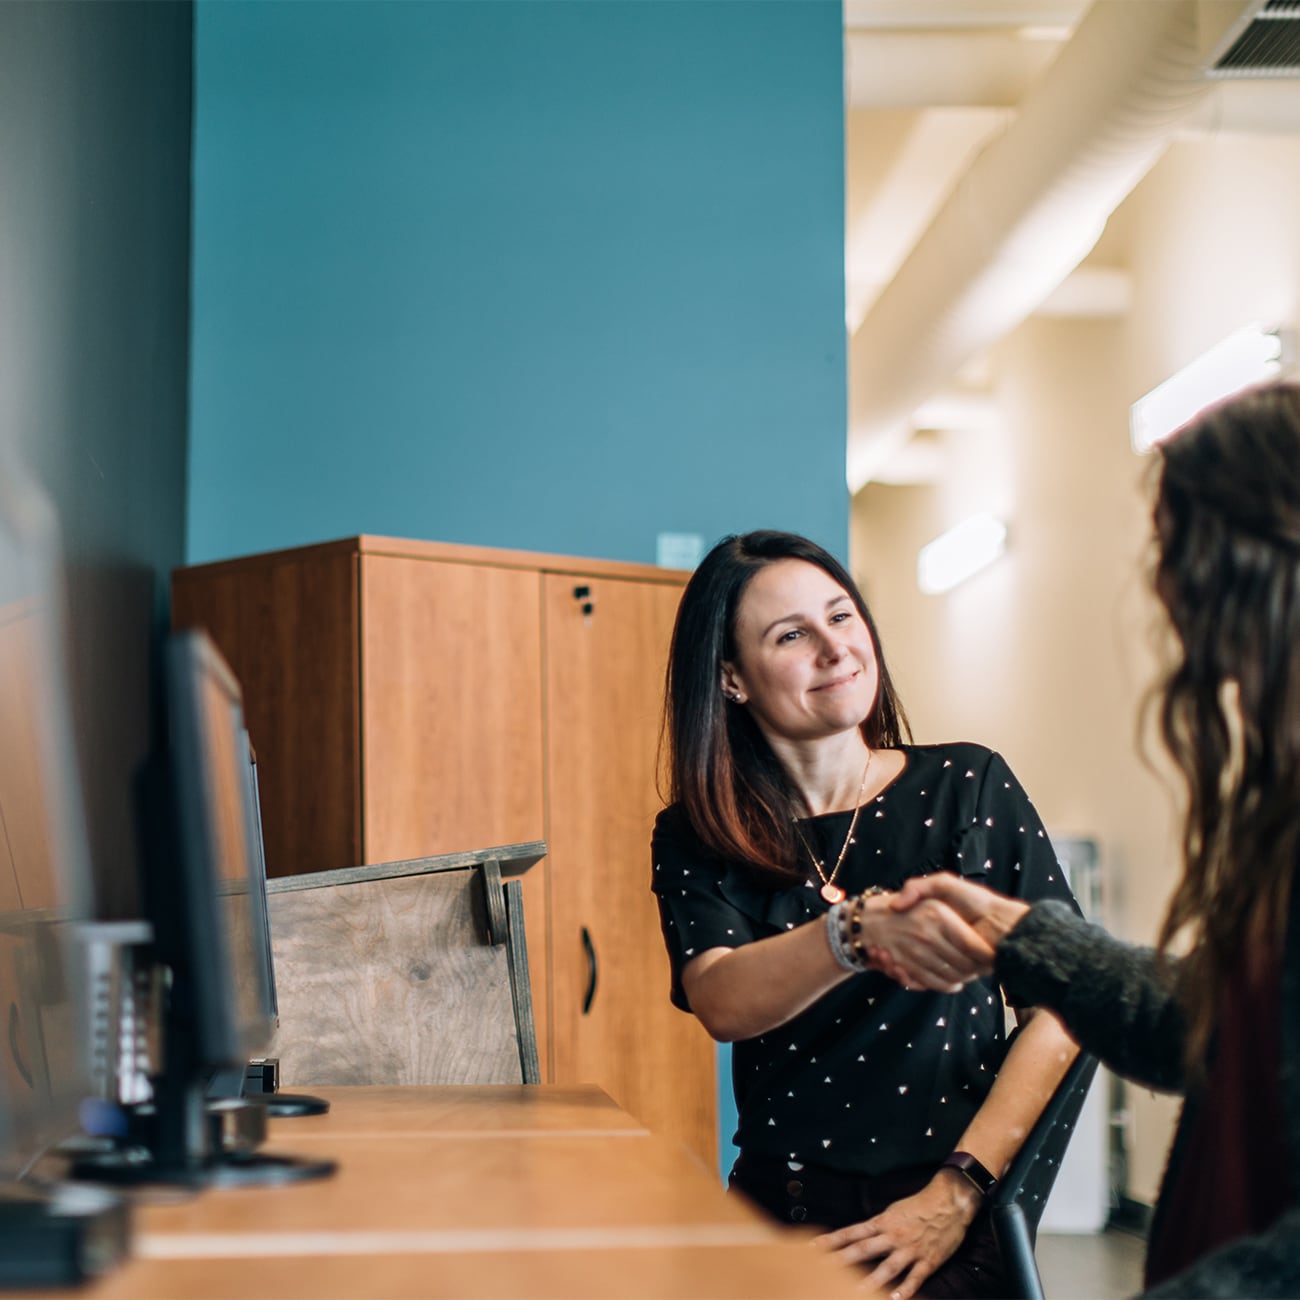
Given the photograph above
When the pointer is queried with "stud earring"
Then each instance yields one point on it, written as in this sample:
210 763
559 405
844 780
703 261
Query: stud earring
736 697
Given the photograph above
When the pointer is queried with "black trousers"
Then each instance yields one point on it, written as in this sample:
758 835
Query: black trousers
829 1198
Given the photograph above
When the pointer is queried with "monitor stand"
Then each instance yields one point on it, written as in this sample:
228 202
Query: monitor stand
261 1083
137 1166
182 1137
286 1105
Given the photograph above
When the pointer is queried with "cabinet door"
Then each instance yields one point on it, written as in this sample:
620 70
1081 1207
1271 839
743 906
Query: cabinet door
451 707
604 690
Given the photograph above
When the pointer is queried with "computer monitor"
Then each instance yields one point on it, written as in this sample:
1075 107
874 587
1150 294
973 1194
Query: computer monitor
259 1079
214 951
204 898
45 894
253 823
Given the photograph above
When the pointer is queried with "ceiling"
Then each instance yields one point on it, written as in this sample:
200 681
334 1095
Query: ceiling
987 142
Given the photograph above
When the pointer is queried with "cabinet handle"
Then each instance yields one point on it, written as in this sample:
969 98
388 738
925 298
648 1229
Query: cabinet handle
590 949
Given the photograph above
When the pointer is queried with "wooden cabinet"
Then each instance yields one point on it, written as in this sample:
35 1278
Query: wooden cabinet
415 698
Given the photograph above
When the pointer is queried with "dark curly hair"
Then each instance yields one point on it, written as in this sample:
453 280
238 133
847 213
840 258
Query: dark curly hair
1227 522
738 797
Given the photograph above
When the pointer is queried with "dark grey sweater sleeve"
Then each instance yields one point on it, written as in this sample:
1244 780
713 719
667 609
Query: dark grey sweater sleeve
1110 995
1265 1266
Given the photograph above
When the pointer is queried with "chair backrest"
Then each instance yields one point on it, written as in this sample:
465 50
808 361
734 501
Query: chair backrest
1018 1200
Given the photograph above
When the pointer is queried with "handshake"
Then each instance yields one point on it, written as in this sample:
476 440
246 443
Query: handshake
938 932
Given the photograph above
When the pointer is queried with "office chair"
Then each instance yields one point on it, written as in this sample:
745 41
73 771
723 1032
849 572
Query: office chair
1018 1200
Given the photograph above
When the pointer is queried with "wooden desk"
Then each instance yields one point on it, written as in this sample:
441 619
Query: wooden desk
771 1270
496 1185
503 1110
492 1192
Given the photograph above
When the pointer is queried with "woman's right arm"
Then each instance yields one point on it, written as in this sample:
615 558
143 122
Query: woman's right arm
1265 1265
742 992
1114 998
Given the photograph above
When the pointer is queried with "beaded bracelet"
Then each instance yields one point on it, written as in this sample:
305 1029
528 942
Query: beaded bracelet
843 924
844 931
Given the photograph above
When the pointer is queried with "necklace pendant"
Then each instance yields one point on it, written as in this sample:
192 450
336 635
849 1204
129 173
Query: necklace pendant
832 893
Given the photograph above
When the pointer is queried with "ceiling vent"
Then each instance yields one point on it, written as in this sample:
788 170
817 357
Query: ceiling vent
1268 47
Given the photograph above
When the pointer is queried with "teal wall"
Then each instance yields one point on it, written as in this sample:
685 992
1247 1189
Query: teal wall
538 274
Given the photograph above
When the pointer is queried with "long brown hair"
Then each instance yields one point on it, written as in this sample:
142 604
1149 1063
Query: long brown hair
1227 520
739 798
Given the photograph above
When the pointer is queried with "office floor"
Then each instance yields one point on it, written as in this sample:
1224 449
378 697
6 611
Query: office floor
1093 1266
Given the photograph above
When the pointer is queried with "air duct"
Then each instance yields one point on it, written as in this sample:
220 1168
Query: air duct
1032 205
1268 47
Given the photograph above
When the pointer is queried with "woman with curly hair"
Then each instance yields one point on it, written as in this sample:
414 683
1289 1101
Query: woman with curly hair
1219 1023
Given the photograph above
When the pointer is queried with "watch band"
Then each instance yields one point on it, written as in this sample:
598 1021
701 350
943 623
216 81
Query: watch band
966 1163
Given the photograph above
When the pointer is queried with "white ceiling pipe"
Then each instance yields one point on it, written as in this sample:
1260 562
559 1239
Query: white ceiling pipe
1090 292
1030 207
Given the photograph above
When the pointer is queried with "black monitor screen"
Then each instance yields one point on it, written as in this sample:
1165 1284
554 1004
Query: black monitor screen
261 917
44 870
213 948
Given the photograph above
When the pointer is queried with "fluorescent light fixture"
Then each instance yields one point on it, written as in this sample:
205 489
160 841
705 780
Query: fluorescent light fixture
960 552
1248 356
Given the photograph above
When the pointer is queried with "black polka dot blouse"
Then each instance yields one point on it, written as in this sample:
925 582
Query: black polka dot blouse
870 1078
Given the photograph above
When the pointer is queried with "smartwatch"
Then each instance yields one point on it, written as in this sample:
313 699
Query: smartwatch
966 1163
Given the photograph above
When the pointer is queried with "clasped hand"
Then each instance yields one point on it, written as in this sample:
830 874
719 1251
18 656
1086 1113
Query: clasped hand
940 932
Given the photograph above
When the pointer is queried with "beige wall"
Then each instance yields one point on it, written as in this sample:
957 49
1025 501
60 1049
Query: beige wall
1046 655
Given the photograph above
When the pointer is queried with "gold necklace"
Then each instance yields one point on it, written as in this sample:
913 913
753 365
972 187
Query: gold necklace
830 891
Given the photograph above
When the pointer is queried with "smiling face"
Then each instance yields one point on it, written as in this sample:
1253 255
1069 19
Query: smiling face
805 664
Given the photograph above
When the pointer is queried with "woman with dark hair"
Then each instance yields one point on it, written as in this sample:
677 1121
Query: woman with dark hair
1221 1023
797 807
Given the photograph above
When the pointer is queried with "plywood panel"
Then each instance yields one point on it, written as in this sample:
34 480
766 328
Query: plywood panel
391 982
451 704
604 685
289 632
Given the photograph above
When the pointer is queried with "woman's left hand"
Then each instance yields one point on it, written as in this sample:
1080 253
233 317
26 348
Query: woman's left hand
913 1237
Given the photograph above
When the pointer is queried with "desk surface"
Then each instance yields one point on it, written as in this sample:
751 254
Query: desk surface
771 1270
500 1110
473 1192
466 1184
